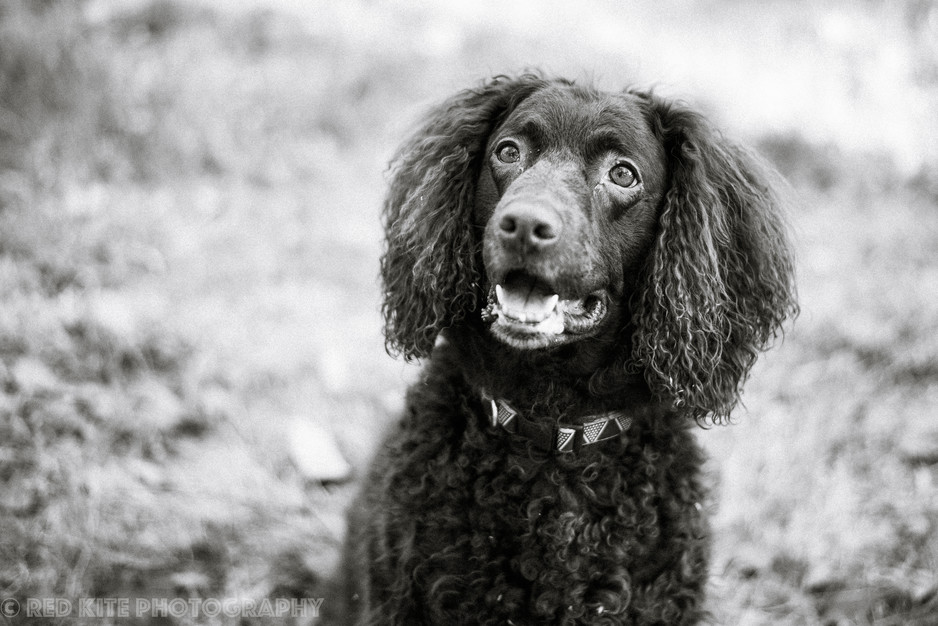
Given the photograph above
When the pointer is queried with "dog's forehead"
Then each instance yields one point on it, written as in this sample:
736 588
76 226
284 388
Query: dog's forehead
565 114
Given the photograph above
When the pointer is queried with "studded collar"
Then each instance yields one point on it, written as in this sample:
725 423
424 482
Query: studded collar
563 438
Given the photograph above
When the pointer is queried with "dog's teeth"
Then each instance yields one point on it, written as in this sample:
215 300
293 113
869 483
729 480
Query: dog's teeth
541 313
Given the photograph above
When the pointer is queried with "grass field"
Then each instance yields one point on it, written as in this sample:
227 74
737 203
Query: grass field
189 235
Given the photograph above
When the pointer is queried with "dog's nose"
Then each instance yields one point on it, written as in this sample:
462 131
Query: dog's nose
529 227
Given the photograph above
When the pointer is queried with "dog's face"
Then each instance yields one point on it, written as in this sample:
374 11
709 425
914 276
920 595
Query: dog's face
568 197
530 214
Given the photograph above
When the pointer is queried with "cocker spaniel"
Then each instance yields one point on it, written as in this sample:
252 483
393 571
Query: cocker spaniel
589 275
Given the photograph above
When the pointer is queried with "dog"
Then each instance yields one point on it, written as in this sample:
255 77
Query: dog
589 276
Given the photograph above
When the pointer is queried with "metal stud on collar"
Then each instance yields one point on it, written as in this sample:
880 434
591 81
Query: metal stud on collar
503 415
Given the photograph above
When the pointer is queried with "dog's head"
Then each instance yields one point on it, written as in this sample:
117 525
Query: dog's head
563 215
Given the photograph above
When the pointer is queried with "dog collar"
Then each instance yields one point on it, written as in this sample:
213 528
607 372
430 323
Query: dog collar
563 437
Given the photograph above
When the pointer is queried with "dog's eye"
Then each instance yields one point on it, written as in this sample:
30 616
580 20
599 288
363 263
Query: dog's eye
508 152
623 175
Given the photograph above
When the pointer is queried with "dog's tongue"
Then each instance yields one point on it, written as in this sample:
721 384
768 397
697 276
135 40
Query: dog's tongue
533 304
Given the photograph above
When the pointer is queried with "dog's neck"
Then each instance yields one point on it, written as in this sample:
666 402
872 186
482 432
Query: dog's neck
566 384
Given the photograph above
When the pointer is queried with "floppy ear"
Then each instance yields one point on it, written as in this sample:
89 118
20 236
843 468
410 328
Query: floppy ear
719 281
431 264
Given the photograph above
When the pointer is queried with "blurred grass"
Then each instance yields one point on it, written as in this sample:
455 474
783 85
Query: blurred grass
188 250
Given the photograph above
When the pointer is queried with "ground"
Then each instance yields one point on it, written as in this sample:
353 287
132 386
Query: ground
189 234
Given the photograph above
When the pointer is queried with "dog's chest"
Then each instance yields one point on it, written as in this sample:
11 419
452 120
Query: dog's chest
507 534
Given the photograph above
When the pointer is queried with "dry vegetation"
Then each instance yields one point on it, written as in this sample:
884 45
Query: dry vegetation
188 252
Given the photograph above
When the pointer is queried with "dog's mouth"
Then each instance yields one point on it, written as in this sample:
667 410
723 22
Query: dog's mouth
528 313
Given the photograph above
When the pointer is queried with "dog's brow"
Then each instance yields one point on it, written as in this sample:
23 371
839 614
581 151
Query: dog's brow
533 127
606 140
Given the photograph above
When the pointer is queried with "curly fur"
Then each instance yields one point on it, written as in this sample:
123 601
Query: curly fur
460 523
431 269
720 282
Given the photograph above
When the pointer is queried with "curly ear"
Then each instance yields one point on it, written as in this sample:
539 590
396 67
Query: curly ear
719 281
430 267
